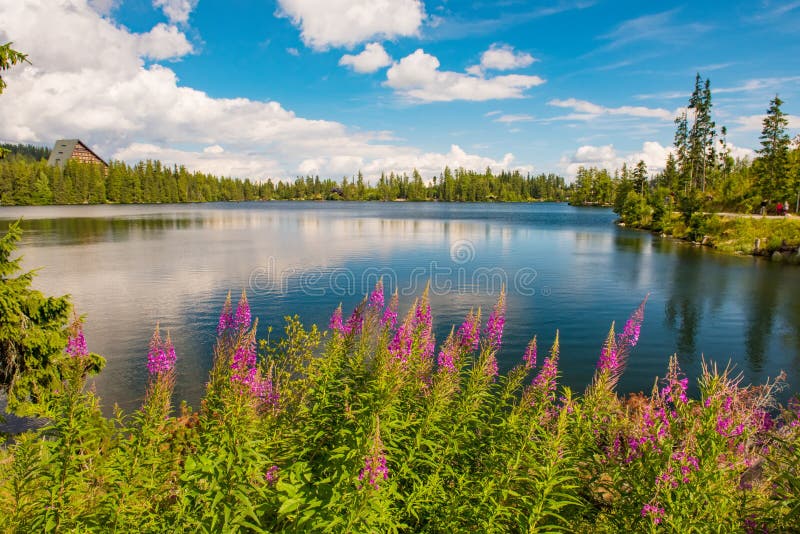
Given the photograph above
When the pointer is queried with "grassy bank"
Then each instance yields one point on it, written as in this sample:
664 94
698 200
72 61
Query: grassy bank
776 238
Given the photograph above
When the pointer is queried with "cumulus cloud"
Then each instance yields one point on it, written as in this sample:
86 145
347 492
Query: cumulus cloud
427 163
738 152
212 159
654 155
754 123
371 59
89 80
503 57
104 7
346 23
177 11
607 157
417 76
585 110
164 42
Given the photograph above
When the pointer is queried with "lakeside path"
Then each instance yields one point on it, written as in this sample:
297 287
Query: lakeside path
756 216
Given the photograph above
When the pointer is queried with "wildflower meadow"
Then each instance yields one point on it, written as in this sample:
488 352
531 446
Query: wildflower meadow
371 426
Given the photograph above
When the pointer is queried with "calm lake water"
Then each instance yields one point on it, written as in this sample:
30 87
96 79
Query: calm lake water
128 267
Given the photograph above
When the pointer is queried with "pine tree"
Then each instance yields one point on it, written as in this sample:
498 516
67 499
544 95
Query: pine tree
774 151
701 135
670 176
640 177
682 151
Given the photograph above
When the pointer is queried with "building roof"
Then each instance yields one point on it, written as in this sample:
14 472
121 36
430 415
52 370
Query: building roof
63 150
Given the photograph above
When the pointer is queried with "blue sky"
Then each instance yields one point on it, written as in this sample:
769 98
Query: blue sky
288 87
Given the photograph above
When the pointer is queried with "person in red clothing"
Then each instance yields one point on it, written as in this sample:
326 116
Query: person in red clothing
779 208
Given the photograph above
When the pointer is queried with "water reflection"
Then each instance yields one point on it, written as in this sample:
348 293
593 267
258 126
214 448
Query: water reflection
130 266
764 302
683 311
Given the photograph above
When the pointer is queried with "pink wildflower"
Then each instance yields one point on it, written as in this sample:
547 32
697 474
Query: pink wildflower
76 342
655 512
336 324
161 356
529 357
242 319
496 322
226 317
376 297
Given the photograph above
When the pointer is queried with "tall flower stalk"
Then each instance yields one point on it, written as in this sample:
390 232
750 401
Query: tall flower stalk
161 360
617 347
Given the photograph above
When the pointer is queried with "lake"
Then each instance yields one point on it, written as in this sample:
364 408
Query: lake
566 268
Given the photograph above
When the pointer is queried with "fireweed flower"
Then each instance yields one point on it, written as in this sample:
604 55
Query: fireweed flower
76 342
376 297
401 343
354 322
263 388
423 326
469 331
655 512
336 323
630 333
226 317
545 381
529 357
675 390
161 356
375 469
242 319
389 317
616 349
496 322
448 355
271 476
244 360
609 361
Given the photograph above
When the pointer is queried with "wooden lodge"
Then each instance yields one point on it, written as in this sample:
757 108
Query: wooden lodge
67 149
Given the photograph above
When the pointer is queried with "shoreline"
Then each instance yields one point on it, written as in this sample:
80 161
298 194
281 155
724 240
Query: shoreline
728 233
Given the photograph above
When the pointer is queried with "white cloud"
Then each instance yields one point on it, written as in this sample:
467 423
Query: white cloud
754 123
503 57
654 155
164 42
371 59
508 119
417 76
606 157
293 51
588 110
337 23
738 152
212 159
427 163
104 7
177 11
213 149
112 100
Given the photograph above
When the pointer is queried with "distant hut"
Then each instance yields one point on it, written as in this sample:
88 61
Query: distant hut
67 149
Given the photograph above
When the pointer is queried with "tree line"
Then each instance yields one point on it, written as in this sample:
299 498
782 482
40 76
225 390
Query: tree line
27 179
700 174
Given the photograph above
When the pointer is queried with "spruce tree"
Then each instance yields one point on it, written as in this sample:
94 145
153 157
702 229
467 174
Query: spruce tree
640 177
774 152
33 334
